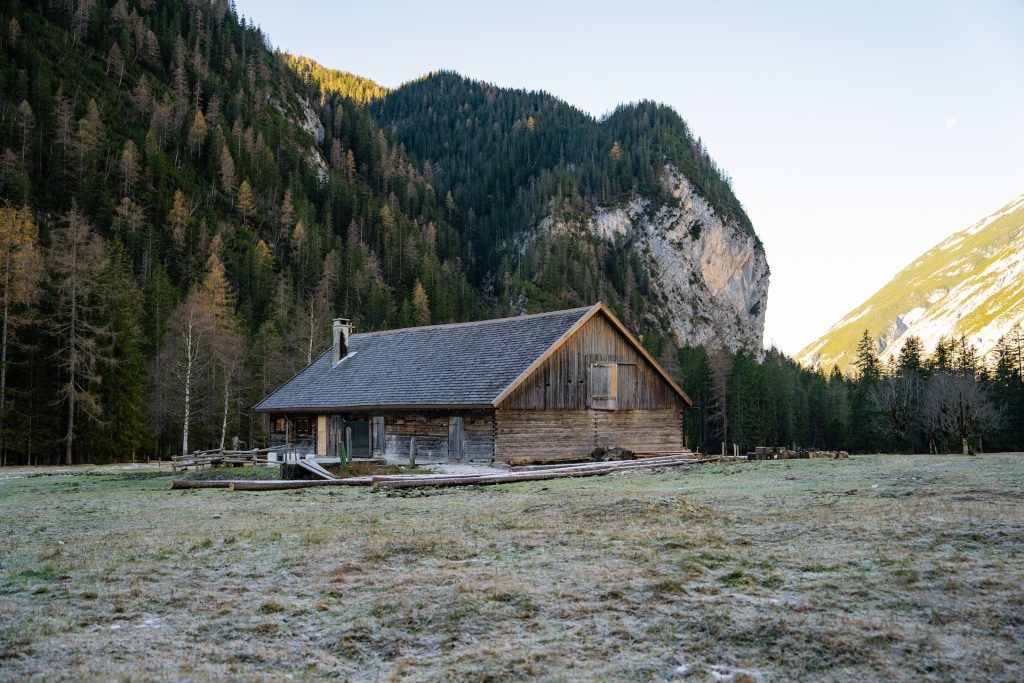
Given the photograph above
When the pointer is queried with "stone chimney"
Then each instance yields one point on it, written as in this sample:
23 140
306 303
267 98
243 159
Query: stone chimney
342 330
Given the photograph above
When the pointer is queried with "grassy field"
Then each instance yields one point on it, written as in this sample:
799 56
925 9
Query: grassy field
892 567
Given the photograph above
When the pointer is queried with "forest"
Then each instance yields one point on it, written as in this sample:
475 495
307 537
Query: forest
917 403
183 209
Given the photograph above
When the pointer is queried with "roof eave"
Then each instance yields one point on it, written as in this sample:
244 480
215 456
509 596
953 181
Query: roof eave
547 354
594 310
386 407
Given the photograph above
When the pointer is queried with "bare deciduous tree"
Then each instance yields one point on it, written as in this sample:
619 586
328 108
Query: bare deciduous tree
26 124
718 399
957 406
184 363
312 332
129 166
895 401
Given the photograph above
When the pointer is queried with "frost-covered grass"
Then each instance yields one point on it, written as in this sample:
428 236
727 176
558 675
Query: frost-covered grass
904 567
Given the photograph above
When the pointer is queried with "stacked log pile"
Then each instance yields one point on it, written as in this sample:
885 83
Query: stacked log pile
776 453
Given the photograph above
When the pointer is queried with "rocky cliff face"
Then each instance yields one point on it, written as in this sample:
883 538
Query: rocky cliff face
710 277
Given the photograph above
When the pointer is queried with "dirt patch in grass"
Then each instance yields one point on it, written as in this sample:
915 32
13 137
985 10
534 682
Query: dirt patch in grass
228 472
763 571
369 469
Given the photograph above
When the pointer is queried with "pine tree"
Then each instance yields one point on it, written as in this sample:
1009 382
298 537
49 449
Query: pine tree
20 276
123 393
115 63
197 134
910 356
350 164
246 201
218 301
227 171
178 218
76 261
420 304
286 217
616 151
129 166
90 136
866 361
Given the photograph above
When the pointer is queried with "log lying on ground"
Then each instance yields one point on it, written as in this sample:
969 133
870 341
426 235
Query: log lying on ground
268 484
478 480
280 485
648 461
190 484
590 470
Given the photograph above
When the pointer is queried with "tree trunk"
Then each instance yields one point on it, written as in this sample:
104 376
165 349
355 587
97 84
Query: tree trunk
69 437
3 357
312 332
188 387
224 417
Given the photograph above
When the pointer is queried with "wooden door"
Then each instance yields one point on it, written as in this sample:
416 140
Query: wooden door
358 432
456 438
379 440
335 434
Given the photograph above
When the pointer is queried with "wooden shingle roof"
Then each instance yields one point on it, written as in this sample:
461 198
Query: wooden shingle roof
459 365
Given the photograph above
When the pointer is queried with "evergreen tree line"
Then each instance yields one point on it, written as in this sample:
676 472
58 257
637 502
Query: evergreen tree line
174 247
184 210
916 402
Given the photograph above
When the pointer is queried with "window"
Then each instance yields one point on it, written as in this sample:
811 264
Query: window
604 386
302 425
278 426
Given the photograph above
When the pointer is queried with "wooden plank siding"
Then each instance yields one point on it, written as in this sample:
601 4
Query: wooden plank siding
567 407
574 434
432 432
563 381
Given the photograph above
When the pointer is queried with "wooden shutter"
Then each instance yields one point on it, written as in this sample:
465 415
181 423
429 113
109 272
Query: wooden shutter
321 435
604 386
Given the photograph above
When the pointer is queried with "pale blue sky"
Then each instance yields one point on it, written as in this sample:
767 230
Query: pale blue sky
857 134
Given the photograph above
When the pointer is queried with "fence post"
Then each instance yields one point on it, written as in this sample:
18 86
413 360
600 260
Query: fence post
342 452
412 452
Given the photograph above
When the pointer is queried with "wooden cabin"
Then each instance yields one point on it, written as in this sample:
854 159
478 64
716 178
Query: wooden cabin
544 387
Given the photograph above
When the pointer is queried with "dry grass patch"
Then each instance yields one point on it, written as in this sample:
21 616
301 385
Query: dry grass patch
874 567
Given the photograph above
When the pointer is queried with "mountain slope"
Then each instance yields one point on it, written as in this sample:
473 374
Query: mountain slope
970 284
561 207
194 153
278 192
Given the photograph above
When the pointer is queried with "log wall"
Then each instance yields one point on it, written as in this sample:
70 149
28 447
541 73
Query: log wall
574 434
